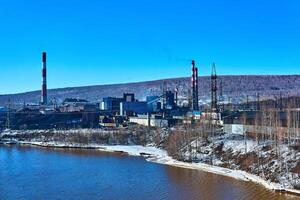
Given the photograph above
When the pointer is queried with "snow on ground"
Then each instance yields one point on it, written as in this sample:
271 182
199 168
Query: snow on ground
160 156
135 150
238 146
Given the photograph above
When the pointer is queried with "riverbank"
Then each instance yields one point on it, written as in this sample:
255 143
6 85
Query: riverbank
156 155
221 154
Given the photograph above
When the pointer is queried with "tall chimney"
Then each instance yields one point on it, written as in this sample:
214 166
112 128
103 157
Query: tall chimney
44 80
196 90
193 85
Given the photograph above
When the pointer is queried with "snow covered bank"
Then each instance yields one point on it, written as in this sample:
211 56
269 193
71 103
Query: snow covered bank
275 167
160 156
153 154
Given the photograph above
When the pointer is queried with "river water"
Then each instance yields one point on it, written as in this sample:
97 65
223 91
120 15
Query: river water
47 173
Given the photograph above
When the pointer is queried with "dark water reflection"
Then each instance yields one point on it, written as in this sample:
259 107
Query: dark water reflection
40 173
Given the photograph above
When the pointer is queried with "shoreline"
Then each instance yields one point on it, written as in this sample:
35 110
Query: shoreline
160 156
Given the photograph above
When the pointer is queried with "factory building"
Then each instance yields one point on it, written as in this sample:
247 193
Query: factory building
170 100
111 104
133 108
128 97
153 120
127 105
89 111
154 104
69 101
77 105
161 110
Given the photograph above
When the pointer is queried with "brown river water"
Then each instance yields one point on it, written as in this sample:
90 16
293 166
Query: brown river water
49 173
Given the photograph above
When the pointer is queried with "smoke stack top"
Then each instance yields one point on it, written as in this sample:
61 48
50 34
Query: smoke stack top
44 57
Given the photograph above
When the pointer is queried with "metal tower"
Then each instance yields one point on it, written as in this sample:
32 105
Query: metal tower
214 102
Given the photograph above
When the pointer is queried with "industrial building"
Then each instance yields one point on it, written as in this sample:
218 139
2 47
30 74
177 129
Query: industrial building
128 97
150 120
78 105
170 100
133 108
111 104
158 110
153 103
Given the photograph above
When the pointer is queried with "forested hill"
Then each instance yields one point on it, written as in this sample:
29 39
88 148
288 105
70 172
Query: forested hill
235 88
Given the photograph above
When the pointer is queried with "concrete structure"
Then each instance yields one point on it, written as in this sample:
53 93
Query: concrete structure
238 129
145 120
44 80
256 132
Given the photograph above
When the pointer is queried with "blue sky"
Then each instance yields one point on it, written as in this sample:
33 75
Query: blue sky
100 42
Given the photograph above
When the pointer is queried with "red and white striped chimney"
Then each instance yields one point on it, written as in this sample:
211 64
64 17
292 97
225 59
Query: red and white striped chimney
193 83
44 80
196 90
193 76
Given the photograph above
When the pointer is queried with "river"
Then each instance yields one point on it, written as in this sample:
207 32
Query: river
51 173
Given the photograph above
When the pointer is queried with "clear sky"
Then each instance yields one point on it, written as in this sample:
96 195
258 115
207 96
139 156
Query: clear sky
114 41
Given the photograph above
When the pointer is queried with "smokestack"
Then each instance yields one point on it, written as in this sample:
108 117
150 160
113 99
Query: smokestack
44 80
196 90
194 82
214 99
